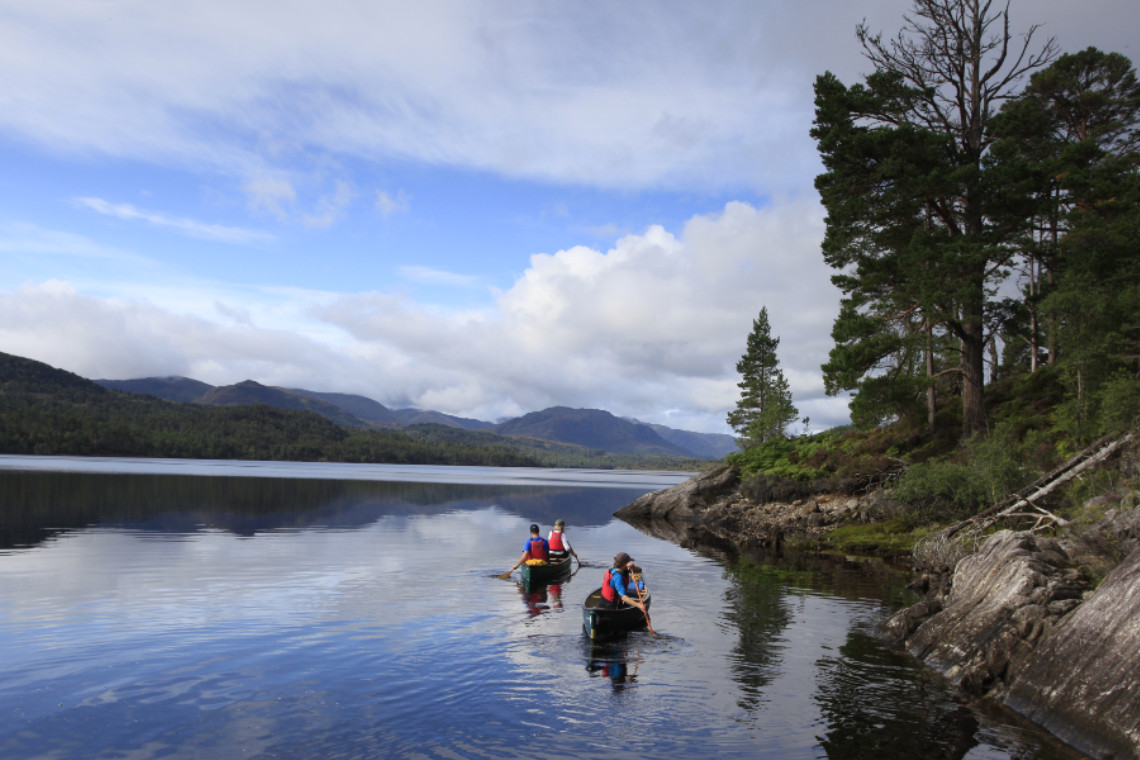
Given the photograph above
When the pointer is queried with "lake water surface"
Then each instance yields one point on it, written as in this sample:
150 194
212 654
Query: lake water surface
180 609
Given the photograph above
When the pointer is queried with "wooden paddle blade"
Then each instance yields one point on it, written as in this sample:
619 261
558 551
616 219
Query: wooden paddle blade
644 611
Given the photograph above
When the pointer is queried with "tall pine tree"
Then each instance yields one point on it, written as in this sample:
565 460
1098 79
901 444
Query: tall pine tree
765 408
908 222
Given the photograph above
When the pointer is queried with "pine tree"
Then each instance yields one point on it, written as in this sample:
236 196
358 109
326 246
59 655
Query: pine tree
1068 159
909 224
765 408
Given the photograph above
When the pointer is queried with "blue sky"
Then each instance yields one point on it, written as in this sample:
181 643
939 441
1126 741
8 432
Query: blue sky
484 208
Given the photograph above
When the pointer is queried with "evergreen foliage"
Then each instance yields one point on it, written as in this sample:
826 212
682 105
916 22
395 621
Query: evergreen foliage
909 224
965 168
765 408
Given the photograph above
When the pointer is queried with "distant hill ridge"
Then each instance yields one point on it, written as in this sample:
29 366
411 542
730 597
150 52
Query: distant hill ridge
172 388
590 428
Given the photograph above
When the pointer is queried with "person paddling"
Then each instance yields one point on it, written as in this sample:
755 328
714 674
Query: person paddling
559 543
535 550
618 586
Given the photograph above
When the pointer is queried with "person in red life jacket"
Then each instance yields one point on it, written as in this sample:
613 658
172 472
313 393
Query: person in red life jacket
559 544
618 585
536 547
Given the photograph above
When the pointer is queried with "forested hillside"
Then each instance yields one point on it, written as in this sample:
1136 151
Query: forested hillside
49 411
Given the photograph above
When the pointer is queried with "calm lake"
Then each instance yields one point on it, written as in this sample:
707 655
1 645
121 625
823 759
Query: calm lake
181 609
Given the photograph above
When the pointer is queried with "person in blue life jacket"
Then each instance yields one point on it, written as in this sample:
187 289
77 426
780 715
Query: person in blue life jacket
618 585
536 548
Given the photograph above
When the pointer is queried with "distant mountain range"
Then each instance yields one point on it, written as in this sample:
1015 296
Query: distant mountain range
590 428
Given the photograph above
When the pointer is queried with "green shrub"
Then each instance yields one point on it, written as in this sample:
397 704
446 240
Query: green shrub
1119 403
986 470
941 491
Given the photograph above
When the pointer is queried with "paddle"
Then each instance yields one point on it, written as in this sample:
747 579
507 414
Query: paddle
643 610
506 575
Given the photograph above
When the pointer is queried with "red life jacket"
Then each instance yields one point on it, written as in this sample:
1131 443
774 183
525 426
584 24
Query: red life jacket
608 592
556 541
537 549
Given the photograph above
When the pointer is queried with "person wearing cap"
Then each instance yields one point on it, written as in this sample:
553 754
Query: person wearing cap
559 544
535 550
618 586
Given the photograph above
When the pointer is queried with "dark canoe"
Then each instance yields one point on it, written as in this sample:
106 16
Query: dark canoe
601 623
552 572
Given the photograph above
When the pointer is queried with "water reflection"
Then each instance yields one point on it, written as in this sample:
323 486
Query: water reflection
859 694
540 598
137 619
871 701
757 606
619 661
41 505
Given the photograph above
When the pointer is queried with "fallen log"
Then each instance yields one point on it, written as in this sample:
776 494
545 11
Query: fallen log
1043 486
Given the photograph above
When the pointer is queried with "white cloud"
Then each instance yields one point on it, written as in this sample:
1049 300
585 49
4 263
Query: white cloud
635 94
388 204
650 328
269 193
618 96
654 324
429 276
114 338
32 240
331 206
204 231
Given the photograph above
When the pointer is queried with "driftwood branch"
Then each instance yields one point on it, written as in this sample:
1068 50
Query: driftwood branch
1025 499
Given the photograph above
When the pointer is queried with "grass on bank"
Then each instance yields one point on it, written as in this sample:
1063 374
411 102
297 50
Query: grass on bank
934 479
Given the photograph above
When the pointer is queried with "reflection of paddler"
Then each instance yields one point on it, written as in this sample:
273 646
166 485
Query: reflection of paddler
534 599
615 666
555 595
614 670
535 550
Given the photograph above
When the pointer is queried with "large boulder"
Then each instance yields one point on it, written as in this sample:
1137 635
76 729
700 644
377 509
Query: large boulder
1021 625
1003 598
1083 683
686 501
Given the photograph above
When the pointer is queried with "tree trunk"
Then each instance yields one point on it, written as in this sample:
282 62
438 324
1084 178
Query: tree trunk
1034 292
931 397
973 382
973 364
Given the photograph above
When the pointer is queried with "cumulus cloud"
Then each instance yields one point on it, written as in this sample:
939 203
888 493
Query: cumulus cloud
650 328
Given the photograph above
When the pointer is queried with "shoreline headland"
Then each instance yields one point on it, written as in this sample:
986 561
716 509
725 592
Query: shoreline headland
1020 620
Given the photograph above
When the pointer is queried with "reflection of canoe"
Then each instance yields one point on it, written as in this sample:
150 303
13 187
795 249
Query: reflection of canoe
601 622
552 572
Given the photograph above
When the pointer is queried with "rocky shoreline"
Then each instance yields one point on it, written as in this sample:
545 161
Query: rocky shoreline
1020 621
